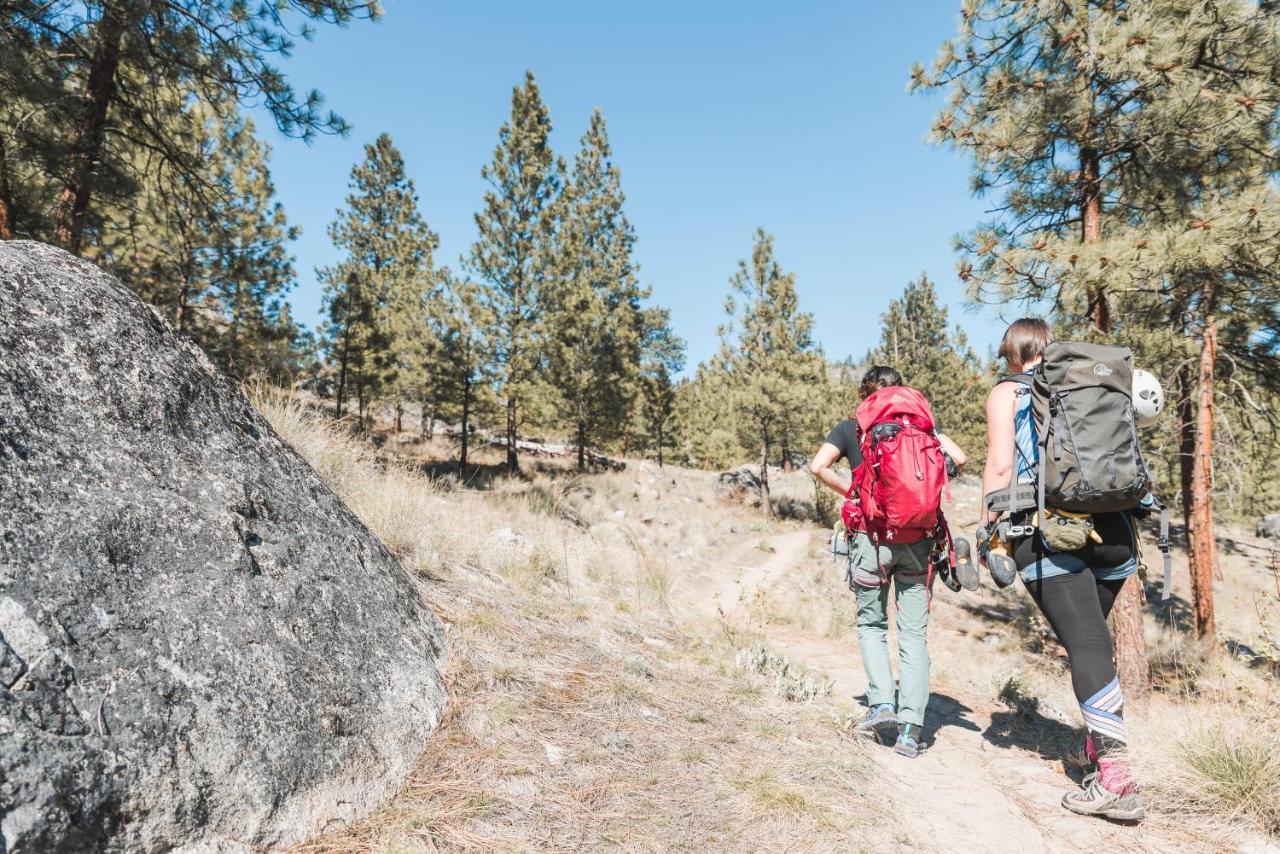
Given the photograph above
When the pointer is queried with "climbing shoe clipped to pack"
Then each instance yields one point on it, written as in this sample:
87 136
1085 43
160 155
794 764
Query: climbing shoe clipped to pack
942 565
948 576
966 571
995 551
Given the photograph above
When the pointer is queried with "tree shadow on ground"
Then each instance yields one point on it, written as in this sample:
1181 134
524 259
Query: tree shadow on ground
479 476
946 712
483 476
1021 618
1174 612
1023 725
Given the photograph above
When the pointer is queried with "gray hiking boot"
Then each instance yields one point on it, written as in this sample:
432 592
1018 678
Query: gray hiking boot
879 720
1095 799
908 741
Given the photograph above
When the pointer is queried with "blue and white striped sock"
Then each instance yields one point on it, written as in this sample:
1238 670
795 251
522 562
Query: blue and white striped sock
1102 712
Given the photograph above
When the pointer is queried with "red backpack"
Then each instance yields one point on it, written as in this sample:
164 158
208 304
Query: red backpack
900 480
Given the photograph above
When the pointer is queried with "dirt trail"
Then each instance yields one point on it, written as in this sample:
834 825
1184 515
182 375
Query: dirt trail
964 793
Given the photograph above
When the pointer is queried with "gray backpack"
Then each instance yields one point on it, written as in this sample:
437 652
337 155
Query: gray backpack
1087 455
1090 459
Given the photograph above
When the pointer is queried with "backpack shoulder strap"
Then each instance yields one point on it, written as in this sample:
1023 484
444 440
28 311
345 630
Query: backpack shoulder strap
1022 378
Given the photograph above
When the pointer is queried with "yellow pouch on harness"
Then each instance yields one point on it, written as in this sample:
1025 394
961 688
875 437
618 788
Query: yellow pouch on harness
1065 531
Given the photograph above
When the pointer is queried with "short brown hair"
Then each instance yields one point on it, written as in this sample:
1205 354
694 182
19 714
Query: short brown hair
880 376
1024 340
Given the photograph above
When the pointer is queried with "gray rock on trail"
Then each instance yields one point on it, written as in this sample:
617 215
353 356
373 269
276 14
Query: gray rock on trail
1269 526
202 647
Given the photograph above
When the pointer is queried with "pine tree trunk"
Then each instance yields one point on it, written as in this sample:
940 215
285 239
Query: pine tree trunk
1131 642
90 131
344 358
360 404
6 195
1091 229
1186 442
1201 534
786 455
659 445
582 446
399 415
513 462
765 502
466 425
342 385
1126 613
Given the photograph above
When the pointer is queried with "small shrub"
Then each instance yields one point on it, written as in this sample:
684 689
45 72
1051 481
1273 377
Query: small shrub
1235 771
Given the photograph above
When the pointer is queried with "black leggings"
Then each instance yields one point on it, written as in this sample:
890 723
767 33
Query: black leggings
1076 606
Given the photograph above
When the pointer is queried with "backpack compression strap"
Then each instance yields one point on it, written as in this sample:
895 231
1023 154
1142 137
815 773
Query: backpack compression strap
1165 554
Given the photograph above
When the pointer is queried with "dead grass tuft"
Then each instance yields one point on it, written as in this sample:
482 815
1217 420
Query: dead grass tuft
1215 761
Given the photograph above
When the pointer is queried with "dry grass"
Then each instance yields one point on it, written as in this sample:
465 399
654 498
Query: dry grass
1219 762
583 715
586 713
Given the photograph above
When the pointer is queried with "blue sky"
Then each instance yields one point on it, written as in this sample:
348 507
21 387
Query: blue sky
723 117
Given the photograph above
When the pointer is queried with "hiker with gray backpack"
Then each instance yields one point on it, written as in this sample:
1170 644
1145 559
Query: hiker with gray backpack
1064 481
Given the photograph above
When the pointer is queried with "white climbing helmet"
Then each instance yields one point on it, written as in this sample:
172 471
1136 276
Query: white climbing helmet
1148 397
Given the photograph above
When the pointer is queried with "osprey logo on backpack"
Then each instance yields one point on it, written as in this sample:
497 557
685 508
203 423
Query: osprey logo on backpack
1102 370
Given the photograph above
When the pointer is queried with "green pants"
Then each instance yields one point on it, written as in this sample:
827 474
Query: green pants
907 566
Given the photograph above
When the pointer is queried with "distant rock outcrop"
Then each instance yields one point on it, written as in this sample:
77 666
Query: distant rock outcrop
738 483
1269 526
201 647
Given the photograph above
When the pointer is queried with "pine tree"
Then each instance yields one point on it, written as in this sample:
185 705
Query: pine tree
661 360
378 297
250 268
213 258
514 257
460 370
916 338
708 436
775 375
30 81
109 55
595 320
1133 147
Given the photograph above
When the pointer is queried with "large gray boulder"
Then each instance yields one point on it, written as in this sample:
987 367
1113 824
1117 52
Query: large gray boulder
202 647
1269 526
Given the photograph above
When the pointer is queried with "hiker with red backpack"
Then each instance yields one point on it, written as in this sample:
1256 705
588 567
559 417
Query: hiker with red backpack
1063 482
895 533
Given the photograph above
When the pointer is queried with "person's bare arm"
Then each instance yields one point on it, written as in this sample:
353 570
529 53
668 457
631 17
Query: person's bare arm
821 465
952 450
1000 408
